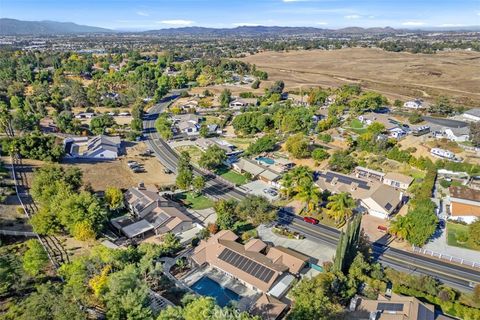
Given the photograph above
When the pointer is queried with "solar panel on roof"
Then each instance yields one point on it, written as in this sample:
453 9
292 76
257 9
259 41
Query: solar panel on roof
382 306
247 265
424 313
329 176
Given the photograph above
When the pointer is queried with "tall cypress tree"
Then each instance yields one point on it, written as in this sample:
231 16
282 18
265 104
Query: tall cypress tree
348 245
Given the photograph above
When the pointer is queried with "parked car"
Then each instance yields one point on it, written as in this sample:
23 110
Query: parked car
441 224
167 171
310 220
270 191
382 228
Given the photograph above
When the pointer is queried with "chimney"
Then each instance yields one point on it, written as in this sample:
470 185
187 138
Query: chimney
401 196
141 186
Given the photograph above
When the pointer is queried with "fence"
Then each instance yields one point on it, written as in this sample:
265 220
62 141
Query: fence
18 233
446 257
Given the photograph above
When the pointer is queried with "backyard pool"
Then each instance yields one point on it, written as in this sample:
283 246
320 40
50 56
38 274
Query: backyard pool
207 287
266 160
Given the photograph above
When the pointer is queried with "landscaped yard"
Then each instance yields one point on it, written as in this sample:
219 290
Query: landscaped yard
194 152
232 176
357 126
195 202
455 233
241 143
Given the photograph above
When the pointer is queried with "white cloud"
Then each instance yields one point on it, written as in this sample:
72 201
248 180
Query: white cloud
352 16
142 13
322 23
177 22
413 23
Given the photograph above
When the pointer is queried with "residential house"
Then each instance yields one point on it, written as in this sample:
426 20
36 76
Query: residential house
242 103
247 263
464 204
85 115
98 147
392 126
458 134
188 124
472 114
396 133
414 104
397 180
230 149
151 214
366 173
337 183
395 308
257 171
268 308
383 202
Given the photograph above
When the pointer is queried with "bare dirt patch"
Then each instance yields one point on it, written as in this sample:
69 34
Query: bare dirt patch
396 75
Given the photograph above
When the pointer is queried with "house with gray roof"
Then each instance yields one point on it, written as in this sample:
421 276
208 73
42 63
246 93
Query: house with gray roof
98 147
472 115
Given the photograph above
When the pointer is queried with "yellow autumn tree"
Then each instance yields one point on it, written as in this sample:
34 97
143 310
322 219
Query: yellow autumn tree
98 283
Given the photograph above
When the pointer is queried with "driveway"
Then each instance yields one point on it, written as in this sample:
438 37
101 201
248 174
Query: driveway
256 187
318 251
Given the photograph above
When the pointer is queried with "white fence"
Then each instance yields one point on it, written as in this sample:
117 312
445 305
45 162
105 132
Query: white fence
446 257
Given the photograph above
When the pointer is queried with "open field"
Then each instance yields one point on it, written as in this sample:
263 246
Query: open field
455 230
396 75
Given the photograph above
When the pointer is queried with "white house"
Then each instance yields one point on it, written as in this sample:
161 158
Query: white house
472 114
458 134
396 133
442 153
85 115
414 104
99 147
397 180
383 202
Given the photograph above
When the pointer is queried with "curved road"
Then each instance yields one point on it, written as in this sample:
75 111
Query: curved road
454 275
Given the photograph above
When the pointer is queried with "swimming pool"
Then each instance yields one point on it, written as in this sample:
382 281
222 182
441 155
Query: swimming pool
207 287
266 160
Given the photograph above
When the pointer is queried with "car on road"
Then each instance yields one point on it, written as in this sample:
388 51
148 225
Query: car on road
441 224
310 220
270 191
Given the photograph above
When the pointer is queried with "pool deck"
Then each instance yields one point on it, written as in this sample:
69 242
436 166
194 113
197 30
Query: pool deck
247 296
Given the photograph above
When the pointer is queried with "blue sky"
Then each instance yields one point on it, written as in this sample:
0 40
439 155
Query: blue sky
157 14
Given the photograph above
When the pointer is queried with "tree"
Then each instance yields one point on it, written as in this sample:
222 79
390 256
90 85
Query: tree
341 161
415 118
320 154
225 98
35 259
368 101
256 210
400 227
298 146
184 172
204 132
423 220
277 87
164 126
99 124
347 246
341 206
317 97
212 158
442 107
198 184
256 84
264 144
114 198
297 180
474 232
225 210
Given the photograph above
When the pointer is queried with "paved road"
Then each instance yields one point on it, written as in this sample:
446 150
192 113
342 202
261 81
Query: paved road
446 122
454 275
169 158
451 274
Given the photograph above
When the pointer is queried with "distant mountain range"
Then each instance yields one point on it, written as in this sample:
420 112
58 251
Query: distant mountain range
18 27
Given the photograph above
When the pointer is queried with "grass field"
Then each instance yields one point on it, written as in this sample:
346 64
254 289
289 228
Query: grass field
195 202
194 152
453 231
357 126
232 176
397 75
241 143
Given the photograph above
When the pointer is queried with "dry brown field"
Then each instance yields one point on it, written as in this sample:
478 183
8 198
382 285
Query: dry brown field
396 75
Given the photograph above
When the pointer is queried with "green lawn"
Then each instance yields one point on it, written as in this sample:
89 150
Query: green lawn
232 176
357 126
194 152
241 143
193 202
453 229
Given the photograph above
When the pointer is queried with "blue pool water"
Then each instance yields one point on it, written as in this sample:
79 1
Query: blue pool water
266 160
207 287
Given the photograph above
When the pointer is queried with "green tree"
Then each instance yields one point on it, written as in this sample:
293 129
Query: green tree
400 227
341 161
204 132
442 107
347 246
225 98
255 209
341 206
99 124
225 210
164 126
198 184
298 146
184 172
474 232
35 259
264 144
320 154
212 158
114 198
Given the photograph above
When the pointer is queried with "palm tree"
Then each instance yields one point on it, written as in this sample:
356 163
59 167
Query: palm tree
311 195
340 206
400 227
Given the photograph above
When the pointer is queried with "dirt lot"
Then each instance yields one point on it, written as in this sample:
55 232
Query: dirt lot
117 174
396 75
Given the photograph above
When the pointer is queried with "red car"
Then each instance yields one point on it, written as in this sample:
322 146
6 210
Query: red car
310 220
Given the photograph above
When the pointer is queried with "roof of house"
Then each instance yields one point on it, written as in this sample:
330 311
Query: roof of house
338 182
294 260
223 252
186 125
397 308
387 197
463 131
250 166
255 245
268 307
100 143
269 175
473 112
464 193
398 177
137 228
